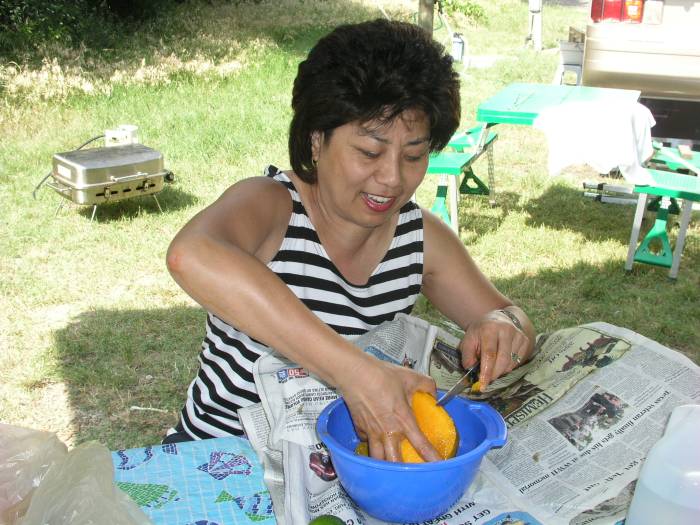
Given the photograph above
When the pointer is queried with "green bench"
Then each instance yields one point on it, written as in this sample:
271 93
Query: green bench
669 158
455 164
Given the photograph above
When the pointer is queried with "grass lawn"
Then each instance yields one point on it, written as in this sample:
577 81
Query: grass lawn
98 342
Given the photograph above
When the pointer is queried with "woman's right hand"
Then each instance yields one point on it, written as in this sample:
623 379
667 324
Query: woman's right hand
378 395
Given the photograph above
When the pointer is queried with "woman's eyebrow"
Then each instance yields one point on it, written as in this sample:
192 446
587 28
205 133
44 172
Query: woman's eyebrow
379 138
417 141
373 133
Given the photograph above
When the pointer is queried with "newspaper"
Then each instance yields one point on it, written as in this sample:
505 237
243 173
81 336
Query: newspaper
582 416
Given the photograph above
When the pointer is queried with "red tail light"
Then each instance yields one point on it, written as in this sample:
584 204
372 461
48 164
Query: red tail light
606 10
630 10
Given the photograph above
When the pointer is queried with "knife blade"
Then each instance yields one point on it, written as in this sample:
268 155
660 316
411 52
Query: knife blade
459 386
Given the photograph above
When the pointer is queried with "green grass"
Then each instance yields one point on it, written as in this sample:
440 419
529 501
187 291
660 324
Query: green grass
92 323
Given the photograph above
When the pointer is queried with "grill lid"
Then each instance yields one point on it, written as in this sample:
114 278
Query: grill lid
98 166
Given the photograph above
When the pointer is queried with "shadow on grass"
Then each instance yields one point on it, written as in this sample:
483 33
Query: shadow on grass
643 301
113 360
479 218
170 198
562 207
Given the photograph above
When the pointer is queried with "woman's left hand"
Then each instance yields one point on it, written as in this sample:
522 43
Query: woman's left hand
497 332
498 343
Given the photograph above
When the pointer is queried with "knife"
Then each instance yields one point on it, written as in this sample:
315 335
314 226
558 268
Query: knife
457 389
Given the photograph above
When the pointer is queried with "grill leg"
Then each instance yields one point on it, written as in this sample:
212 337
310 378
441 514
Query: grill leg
60 207
94 210
158 203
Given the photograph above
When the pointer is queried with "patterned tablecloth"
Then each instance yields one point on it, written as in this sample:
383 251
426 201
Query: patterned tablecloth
210 482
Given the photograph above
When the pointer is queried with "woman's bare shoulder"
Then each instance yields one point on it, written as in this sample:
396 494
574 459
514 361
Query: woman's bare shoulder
252 213
260 197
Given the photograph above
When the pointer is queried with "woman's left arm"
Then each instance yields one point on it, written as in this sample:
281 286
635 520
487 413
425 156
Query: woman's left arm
497 332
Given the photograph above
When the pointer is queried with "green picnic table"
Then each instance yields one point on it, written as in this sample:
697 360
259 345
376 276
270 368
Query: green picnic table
521 104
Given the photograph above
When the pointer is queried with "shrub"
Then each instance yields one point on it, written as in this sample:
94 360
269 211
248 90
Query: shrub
136 10
471 10
28 24
25 22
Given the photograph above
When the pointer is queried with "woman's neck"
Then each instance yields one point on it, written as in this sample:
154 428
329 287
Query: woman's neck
355 250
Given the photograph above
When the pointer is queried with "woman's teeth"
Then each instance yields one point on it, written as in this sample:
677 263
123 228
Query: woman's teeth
378 199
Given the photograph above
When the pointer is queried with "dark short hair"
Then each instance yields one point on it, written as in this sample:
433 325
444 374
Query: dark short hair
371 71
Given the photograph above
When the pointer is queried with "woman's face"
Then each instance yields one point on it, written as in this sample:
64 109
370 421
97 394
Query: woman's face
366 172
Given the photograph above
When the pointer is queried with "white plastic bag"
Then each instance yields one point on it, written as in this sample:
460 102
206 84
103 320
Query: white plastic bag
56 487
25 456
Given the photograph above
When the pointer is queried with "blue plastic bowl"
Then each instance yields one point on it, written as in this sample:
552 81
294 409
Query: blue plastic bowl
411 492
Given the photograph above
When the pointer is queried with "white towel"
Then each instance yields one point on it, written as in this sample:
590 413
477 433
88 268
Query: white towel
604 135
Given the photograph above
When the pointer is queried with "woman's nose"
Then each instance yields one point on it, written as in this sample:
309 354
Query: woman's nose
389 171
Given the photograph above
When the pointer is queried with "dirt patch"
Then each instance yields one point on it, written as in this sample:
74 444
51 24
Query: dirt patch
46 407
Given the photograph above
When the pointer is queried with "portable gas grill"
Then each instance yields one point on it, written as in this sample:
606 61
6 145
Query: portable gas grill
107 174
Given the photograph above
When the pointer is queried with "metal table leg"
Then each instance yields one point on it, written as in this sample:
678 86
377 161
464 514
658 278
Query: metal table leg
636 226
454 203
680 240
481 144
492 178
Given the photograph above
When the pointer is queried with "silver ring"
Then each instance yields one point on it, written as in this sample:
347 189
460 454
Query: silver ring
516 358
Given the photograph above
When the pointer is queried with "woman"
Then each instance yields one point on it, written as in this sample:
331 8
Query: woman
299 260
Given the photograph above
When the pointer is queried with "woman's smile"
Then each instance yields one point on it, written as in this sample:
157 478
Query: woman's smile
378 203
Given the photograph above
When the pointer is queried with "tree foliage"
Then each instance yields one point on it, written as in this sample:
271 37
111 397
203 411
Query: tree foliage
27 24
469 8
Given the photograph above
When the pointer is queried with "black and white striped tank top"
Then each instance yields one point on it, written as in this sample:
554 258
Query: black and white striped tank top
225 383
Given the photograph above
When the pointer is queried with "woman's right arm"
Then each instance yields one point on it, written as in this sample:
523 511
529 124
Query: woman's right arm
219 258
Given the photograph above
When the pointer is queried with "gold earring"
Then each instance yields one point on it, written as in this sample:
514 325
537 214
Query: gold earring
314 163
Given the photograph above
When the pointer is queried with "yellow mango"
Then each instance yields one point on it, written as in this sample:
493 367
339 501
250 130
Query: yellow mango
436 424
362 449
